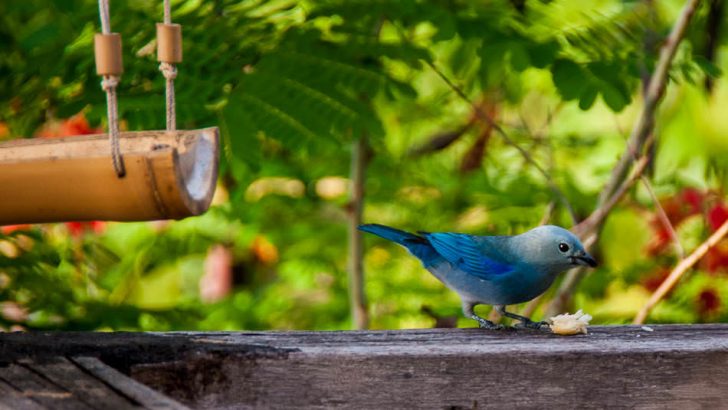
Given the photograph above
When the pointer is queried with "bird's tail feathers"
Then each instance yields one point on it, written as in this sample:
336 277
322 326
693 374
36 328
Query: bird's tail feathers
417 245
389 233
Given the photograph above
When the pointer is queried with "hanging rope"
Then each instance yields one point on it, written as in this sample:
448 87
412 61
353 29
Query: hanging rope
169 52
170 73
104 16
167 12
109 65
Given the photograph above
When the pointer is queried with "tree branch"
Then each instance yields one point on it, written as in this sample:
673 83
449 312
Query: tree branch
597 218
661 214
655 89
664 219
588 231
679 271
357 293
640 135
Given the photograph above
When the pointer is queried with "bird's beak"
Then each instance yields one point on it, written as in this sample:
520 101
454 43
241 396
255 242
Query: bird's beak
584 259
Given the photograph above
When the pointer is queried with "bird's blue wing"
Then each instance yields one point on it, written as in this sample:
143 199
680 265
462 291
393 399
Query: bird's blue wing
463 252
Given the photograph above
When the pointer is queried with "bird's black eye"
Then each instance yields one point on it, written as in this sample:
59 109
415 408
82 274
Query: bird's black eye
563 247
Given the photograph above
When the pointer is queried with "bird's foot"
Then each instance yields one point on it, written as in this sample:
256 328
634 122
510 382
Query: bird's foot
487 324
530 324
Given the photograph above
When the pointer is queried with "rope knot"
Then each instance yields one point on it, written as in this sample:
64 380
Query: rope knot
109 82
168 70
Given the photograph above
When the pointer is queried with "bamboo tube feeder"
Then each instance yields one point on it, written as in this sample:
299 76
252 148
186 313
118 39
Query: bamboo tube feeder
169 175
129 176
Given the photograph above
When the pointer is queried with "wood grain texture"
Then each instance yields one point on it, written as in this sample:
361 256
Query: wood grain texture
611 367
130 388
83 386
39 389
13 399
34 383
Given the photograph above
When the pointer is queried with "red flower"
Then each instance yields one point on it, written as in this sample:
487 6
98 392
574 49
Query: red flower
76 125
708 302
694 199
77 229
654 281
717 216
661 239
7 229
687 203
717 257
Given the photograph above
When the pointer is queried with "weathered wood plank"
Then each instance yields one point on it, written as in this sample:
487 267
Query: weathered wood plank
13 399
140 393
40 389
86 388
612 367
624 367
121 350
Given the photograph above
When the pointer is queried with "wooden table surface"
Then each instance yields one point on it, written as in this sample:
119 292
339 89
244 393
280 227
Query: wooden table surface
660 366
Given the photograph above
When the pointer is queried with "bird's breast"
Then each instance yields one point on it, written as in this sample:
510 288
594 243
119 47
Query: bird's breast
518 286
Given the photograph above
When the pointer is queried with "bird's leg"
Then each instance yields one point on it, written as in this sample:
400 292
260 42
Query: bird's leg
482 323
526 322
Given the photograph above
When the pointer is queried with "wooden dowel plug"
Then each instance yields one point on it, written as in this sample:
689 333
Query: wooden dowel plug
169 43
107 49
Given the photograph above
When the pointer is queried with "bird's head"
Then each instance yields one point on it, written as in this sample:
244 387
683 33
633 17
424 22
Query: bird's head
555 248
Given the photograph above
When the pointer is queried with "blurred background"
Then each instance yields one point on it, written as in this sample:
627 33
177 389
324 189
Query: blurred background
308 94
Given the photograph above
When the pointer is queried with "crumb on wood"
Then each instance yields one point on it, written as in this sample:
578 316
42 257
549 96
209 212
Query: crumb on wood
568 324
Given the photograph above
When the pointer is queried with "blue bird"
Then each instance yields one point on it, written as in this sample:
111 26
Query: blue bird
493 270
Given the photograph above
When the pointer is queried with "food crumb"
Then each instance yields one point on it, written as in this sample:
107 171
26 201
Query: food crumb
567 324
